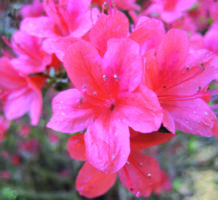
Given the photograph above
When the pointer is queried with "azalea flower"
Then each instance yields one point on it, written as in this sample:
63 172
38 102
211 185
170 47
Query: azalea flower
114 25
140 175
31 57
180 77
19 89
170 10
107 100
63 18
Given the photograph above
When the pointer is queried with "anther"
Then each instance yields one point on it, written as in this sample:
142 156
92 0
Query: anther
188 67
202 66
104 77
81 100
149 175
95 93
137 194
116 77
199 89
131 189
112 107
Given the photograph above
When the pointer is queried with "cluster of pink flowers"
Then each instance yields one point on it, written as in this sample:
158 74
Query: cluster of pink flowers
130 79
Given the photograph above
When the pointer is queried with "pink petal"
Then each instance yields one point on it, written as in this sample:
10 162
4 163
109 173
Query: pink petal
85 23
29 66
115 25
9 78
173 50
76 147
41 27
127 4
32 10
83 65
199 69
92 183
141 110
107 144
192 116
168 122
58 45
140 174
69 116
36 83
23 98
211 38
35 109
122 60
164 184
143 141
149 32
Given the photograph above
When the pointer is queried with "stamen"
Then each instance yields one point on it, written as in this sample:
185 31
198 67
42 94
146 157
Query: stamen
112 107
116 77
202 66
104 77
95 93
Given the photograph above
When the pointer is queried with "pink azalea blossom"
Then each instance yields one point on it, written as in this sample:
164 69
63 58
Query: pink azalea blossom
31 57
108 100
170 10
140 175
180 76
63 18
19 89
5 175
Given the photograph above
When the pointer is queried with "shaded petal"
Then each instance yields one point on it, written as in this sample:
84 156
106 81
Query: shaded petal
143 141
192 116
173 50
76 147
36 84
197 72
123 60
28 66
149 32
91 182
36 108
69 116
164 184
9 78
140 174
58 45
83 66
203 69
115 25
23 98
168 122
85 22
141 110
107 144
